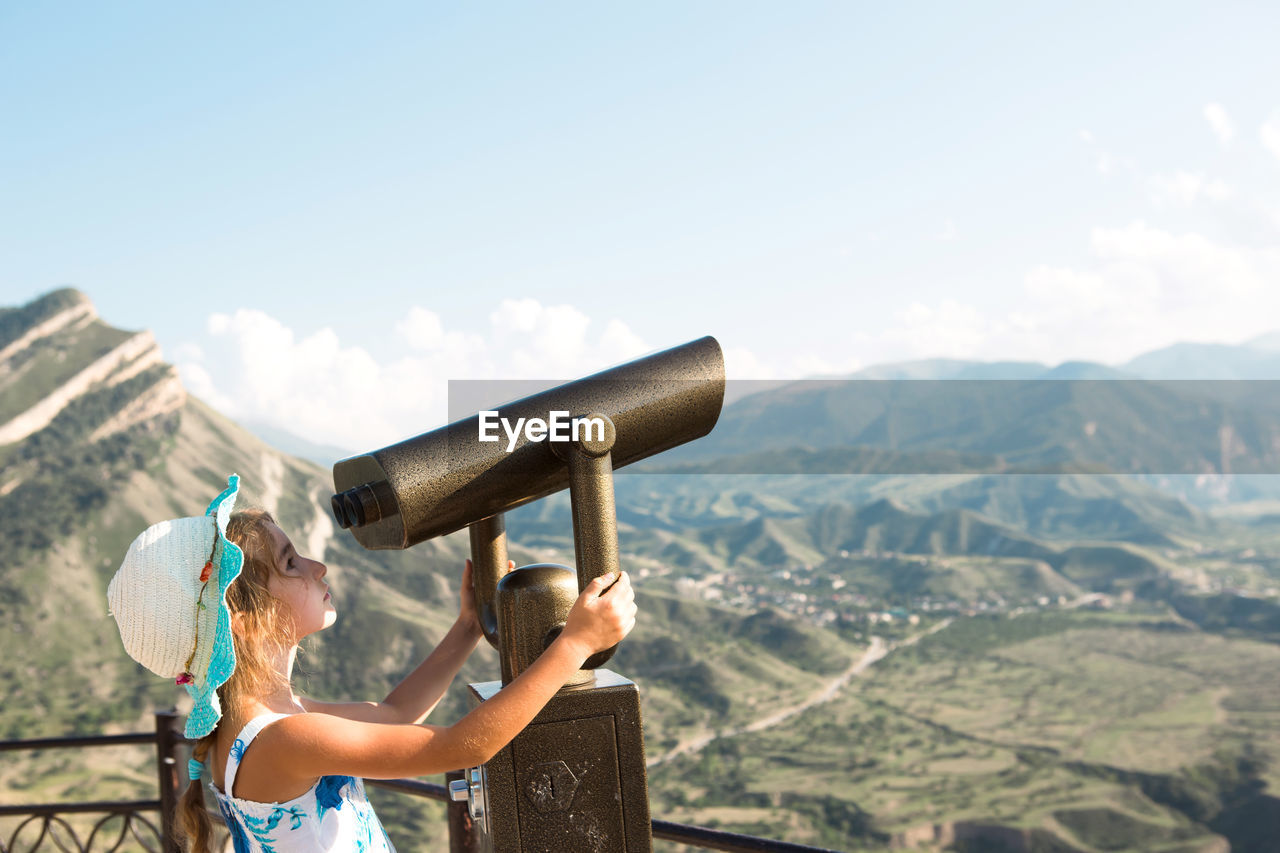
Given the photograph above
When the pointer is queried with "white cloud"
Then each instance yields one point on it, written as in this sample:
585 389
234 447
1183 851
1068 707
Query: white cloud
1184 188
198 381
188 351
1191 269
1142 288
948 328
948 231
1109 164
1104 161
1148 287
1220 122
1055 289
541 341
1269 133
421 329
552 341
620 343
255 368
1145 286
810 364
741 363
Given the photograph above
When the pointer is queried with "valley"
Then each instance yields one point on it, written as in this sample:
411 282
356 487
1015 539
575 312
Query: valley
912 651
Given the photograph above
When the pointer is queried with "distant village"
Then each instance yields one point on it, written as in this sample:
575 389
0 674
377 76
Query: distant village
821 597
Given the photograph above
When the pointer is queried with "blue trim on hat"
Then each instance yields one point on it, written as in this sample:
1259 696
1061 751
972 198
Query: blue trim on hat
230 559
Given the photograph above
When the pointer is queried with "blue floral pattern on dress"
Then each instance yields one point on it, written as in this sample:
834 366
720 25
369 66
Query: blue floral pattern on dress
238 840
329 793
334 814
262 828
367 820
262 834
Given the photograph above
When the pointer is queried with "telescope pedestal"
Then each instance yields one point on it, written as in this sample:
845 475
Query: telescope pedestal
573 780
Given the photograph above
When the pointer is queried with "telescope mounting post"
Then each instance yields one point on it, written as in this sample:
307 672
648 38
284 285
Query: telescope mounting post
595 515
488 565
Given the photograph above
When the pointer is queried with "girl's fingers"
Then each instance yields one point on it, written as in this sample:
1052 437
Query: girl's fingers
598 585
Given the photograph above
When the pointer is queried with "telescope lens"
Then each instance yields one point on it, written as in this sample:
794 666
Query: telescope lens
339 514
360 506
354 509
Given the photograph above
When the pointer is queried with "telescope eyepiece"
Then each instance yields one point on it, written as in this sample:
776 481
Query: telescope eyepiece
339 514
359 506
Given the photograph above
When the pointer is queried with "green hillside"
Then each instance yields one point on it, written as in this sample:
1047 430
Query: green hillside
1061 507
1072 732
882 659
74 496
1026 426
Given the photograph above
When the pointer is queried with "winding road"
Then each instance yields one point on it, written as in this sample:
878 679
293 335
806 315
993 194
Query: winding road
876 651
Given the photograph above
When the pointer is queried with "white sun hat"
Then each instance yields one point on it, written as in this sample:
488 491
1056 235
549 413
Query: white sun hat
169 601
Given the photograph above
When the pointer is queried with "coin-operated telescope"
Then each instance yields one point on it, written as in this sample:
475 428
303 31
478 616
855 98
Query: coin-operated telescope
574 779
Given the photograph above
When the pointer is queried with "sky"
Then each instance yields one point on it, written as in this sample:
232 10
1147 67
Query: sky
325 212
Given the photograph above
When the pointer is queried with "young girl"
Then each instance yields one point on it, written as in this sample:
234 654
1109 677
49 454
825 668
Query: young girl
221 602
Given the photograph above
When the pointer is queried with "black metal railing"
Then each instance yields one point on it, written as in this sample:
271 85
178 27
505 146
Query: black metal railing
45 822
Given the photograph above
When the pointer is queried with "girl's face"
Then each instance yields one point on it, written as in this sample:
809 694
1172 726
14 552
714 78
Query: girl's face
298 582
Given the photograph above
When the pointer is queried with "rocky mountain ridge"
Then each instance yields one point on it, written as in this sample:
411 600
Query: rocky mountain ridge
41 352
104 442
740 578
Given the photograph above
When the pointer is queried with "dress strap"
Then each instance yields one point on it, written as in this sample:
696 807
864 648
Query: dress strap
250 731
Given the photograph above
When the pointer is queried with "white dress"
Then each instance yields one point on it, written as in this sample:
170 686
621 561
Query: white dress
334 814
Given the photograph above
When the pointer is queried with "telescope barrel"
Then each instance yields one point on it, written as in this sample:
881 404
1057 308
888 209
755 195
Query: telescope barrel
446 479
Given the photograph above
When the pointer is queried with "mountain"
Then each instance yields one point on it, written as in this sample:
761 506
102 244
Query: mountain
1196 421
756 594
100 440
58 342
286 442
1017 426
1258 359
871 547
1269 341
1069 370
947 368
1066 507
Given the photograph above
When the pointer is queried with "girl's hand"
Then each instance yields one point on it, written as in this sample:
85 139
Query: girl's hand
468 613
601 617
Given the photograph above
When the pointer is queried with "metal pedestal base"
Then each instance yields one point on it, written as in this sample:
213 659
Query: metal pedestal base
573 780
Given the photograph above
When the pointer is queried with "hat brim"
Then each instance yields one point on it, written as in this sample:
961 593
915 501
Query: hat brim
215 658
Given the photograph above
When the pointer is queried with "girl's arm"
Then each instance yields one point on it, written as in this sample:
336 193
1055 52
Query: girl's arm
421 690
305 746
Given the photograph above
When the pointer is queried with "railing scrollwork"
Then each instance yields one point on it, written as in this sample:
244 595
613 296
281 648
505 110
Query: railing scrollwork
135 832
44 826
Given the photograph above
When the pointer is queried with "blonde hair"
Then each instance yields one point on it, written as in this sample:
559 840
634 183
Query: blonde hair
263 627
